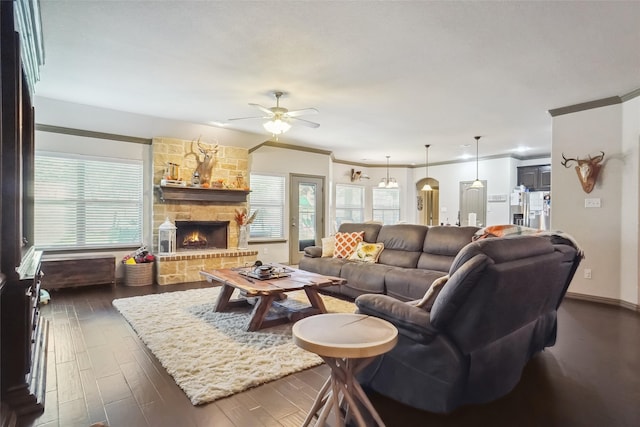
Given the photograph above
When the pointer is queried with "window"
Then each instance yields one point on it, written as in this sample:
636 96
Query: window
386 205
267 196
349 203
87 202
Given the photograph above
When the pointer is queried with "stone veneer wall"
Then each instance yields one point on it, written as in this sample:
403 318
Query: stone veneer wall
230 162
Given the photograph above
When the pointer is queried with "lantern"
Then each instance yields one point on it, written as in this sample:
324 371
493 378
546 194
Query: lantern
167 238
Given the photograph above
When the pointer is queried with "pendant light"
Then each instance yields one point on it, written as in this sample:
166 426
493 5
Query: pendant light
477 183
426 186
388 182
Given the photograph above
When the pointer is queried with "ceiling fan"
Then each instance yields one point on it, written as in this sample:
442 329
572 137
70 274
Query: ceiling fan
279 118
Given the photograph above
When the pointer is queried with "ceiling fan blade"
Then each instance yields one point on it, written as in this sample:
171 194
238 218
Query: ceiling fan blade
253 117
296 113
305 122
265 109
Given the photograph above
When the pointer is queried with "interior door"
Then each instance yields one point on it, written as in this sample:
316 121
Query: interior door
473 204
306 214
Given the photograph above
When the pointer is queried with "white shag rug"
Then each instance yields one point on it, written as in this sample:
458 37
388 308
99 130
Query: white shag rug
210 355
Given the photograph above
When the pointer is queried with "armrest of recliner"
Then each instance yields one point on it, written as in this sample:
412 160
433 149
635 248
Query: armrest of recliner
410 320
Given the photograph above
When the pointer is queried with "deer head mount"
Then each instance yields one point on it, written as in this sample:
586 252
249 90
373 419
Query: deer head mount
205 164
587 170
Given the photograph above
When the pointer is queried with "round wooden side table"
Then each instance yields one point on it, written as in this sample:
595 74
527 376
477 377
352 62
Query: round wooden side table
347 343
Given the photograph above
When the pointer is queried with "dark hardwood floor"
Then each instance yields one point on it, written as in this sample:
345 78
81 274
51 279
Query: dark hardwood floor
98 370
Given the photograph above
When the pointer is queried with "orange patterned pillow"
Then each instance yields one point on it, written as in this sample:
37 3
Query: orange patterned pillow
346 243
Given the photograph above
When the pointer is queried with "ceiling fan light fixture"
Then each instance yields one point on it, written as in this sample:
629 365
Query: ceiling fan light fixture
276 126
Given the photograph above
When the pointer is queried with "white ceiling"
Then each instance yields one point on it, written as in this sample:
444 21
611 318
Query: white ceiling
387 77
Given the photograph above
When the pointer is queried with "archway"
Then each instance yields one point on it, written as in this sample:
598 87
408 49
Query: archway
428 202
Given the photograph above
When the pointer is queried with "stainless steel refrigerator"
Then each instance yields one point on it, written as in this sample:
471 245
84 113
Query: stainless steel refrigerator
530 208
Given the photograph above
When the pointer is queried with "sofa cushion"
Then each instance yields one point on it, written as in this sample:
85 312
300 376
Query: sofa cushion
442 244
324 266
367 252
364 278
345 243
328 246
408 284
370 230
402 244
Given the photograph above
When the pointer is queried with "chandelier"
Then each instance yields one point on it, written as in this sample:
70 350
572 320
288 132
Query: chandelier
388 182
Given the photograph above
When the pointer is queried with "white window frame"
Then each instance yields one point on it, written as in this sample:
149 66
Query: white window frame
267 197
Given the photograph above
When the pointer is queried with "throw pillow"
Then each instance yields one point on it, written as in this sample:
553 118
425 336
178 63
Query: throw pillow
367 252
426 303
346 243
328 246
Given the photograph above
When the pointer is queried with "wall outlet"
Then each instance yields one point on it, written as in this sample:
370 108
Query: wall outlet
587 273
591 203
265 250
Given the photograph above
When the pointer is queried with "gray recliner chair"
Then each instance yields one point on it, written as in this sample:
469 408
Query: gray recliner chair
497 309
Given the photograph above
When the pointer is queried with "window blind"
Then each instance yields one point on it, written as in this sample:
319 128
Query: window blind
349 203
386 205
267 195
84 202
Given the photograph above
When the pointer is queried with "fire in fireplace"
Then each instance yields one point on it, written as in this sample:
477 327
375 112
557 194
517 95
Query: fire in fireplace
201 234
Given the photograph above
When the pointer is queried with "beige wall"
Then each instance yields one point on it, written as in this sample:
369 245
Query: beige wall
629 250
609 232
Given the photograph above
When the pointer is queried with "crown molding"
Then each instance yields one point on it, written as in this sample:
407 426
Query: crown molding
598 103
91 134
277 144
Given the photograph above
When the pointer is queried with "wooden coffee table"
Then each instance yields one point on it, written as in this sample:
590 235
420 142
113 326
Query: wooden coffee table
271 304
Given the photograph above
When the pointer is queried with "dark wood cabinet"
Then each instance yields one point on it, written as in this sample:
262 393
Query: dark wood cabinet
23 333
535 178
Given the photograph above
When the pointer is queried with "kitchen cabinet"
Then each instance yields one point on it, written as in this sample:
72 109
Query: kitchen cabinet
535 178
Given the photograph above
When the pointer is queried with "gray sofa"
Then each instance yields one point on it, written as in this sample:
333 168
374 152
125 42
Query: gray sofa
497 309
413 257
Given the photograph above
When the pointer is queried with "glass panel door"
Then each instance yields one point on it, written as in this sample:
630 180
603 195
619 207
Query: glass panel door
306 214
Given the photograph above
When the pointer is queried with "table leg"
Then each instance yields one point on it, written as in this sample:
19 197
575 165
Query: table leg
315 299
342 387
343 378
260 311
321 400
223 298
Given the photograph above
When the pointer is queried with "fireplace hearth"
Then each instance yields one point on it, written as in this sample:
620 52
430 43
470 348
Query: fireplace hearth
192 235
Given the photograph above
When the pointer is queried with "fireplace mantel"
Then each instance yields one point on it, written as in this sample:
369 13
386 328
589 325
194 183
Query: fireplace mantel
201 194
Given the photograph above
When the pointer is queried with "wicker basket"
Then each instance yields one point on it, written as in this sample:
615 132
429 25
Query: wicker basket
138 274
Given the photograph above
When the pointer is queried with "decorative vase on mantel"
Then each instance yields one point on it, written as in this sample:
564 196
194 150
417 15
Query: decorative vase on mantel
243 237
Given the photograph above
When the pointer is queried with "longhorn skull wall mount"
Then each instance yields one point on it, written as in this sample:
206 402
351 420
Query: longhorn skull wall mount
587 169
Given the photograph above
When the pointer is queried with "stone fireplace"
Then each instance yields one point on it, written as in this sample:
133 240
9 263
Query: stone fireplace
190 207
